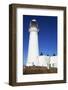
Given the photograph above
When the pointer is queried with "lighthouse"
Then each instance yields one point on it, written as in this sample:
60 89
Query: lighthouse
33 47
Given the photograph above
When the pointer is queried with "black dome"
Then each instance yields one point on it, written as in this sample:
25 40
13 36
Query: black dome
34 23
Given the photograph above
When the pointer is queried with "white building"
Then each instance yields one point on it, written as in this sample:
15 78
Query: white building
47 61
33 50
44 60
53 61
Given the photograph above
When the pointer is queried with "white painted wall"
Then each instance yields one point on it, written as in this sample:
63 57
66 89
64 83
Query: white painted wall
4 50
53 61
44 61
33 49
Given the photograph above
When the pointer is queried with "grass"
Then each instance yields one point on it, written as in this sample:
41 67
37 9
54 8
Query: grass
38 70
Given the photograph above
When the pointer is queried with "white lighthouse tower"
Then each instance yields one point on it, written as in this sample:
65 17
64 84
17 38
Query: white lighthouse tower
33 49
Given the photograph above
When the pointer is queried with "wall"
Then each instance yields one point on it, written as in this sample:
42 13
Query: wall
4 47
43 60
53 61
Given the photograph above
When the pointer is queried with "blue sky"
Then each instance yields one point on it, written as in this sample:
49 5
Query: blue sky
47 35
